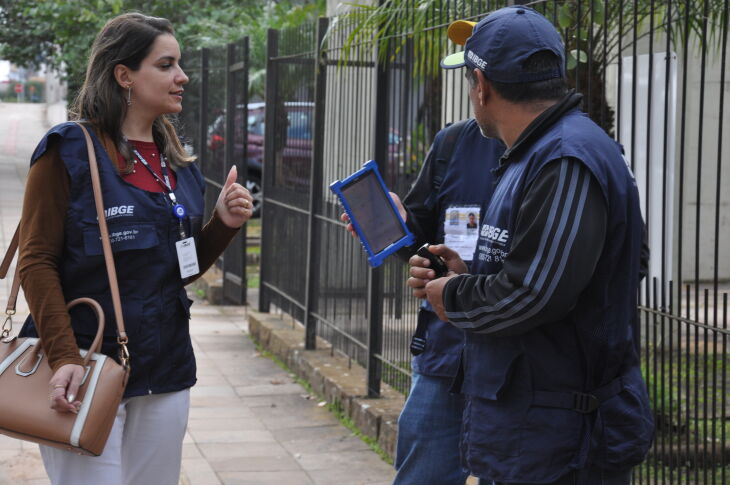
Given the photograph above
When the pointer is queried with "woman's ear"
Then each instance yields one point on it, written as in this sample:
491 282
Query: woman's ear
121 74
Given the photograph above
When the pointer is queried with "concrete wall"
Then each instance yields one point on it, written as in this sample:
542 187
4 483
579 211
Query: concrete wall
686 163
703 162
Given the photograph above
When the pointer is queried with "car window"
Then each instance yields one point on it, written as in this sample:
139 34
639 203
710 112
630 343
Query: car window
256 123
300 125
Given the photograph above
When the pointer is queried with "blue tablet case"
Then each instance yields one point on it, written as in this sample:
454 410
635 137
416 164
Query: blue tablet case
376 255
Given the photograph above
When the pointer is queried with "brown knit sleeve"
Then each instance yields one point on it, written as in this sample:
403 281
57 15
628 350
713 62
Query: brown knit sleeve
214 239
41 249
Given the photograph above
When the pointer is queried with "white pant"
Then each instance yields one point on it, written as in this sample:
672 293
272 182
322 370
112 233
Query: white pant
144 447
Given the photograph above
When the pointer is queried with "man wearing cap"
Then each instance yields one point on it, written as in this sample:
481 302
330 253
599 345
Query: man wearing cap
550 368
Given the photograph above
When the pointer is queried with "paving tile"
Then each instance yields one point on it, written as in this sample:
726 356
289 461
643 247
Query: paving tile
277 400
283 462
216 451
265 478
334 444
204 390
269 389
223 424
198 471
239 411
333 429
346 460
214 401
235 436
191 451
346 477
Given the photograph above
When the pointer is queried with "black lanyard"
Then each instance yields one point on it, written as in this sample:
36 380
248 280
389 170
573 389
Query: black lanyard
178 210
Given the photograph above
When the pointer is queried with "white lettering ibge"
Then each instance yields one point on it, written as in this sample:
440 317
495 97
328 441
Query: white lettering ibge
495 234
481 63
120 210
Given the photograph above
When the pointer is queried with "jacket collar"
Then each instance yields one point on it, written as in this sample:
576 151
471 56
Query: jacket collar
538 126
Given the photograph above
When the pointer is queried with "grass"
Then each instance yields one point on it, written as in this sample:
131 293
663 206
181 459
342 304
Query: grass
681 392
253 227
650 472
252 277
335 408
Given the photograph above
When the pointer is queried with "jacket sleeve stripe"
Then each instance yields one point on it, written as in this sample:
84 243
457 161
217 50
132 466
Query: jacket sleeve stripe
534 295
486 326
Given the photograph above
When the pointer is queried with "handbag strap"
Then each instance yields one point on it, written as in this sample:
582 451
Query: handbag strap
108 257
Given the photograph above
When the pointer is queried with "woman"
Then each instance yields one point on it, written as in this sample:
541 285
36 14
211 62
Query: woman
133 81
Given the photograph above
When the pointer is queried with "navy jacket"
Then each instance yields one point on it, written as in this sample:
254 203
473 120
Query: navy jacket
550 366
143 233
468 181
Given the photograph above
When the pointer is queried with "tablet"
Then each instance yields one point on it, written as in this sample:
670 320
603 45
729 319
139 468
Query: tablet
373 213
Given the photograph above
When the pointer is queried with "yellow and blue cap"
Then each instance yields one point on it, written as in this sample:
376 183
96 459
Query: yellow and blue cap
500 43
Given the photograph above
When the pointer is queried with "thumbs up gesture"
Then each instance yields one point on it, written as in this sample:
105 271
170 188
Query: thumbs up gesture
235 204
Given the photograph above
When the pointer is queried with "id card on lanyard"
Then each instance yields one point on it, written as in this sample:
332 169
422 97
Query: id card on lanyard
187 256
461 229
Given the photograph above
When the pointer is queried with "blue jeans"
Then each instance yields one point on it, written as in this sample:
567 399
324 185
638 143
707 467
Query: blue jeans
590 476
429 428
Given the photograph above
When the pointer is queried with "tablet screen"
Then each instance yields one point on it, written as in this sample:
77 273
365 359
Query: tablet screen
373 212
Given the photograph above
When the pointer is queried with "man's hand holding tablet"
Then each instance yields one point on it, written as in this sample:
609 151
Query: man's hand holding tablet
372 213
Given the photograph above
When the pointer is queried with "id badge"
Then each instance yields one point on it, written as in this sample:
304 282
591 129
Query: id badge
461 229
187 257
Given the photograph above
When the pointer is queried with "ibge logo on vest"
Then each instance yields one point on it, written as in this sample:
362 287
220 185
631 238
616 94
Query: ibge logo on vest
489 237
119 211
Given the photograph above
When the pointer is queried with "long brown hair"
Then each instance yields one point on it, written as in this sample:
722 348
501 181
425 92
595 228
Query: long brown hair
126 39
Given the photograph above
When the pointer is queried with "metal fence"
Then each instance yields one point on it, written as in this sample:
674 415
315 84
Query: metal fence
214 126
654 76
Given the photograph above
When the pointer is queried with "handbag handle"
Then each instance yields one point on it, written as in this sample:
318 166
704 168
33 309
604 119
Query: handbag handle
108 259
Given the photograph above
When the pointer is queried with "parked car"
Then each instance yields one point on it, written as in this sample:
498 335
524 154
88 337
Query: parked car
297 153
295 163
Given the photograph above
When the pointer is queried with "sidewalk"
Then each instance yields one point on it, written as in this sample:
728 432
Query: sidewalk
250 423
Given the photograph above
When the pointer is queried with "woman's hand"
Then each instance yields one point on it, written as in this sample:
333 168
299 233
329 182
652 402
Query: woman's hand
235 204
64 386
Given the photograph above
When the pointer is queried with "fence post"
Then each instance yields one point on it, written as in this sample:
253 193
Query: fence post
234 257
243 165
272 84
203 118
375 275
315 190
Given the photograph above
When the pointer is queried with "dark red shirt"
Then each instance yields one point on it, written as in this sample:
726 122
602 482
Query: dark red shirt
141 177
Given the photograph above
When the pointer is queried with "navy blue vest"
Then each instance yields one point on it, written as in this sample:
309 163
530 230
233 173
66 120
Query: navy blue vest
143 233
505 437
468 181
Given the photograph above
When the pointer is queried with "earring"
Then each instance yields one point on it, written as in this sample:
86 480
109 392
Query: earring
129 95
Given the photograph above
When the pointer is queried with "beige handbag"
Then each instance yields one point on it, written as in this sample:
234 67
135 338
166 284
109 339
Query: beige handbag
25 411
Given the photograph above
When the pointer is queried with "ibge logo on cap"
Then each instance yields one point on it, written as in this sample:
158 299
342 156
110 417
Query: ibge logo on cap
480 63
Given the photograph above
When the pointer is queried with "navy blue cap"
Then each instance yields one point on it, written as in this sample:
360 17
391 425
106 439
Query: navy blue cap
501 42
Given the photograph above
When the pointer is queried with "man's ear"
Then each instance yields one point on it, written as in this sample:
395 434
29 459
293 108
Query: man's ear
121 74
484 88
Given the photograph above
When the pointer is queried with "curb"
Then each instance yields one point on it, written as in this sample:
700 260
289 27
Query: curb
210 286
337 378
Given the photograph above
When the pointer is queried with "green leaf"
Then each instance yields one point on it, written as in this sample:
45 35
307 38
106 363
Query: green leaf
566 17
571 63
599 13
579 55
